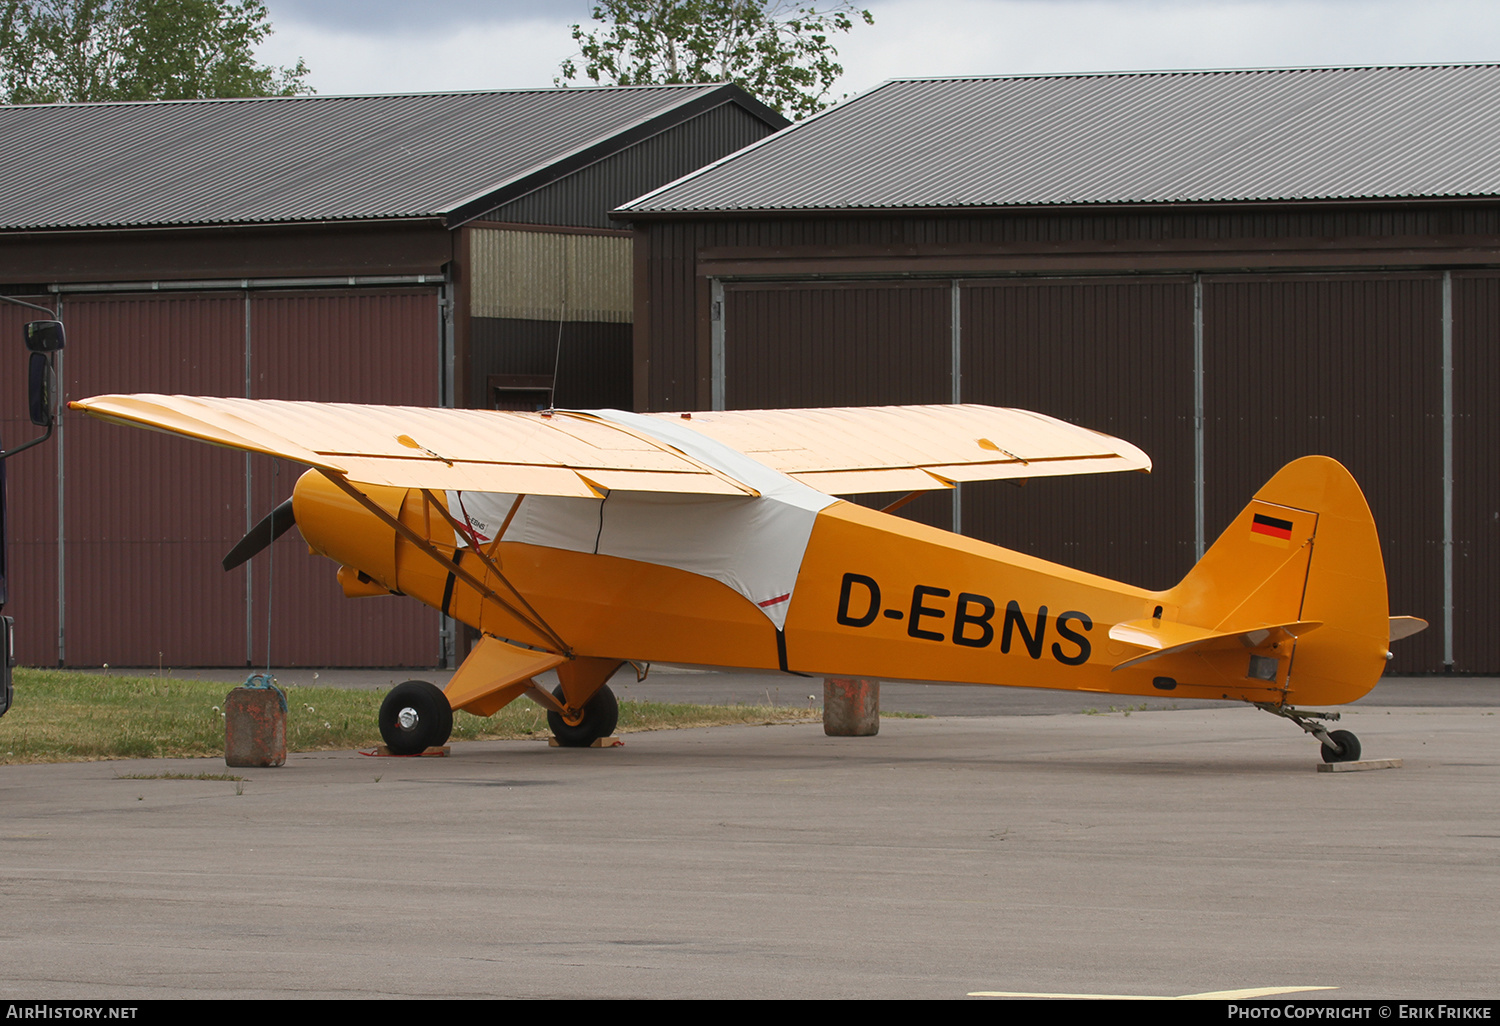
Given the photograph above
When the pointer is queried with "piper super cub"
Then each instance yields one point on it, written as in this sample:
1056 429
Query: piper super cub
576 541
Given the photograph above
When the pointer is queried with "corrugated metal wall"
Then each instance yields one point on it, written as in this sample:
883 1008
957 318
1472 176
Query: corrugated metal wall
1347 366
356 347
836 344
147 517
1476 471
672 314
541 300
550 276
592 359
841 344
1072 349
31 499
1114 355
586 197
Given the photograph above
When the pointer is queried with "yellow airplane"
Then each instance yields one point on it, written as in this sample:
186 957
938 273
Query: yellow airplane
577 541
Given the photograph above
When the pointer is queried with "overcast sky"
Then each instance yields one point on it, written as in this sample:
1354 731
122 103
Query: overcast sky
360 46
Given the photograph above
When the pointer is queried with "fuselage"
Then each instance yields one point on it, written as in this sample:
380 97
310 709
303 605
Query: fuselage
875 596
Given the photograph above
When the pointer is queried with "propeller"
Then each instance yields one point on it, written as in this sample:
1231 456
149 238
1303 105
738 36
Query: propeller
275 524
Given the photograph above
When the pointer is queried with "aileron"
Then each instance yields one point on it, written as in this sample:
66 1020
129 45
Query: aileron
859 450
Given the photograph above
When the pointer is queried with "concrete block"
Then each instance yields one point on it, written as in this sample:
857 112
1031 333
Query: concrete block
851 707
255 727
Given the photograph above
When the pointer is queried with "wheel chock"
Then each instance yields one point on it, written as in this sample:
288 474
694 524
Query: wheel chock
1359 766
382 752
601 742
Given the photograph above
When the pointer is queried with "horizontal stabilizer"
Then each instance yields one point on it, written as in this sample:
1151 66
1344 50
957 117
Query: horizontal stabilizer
1166 638
1406 626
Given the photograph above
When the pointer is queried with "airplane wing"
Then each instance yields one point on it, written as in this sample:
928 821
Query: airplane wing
914 448
585 454
416 447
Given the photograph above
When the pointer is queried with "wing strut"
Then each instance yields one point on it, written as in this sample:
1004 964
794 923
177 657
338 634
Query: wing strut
422 544
902 501
500 534
536 621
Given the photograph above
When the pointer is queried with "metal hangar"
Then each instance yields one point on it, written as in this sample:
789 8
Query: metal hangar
438 249
1230 269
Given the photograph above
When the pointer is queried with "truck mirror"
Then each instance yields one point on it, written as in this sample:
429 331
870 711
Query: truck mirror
44 337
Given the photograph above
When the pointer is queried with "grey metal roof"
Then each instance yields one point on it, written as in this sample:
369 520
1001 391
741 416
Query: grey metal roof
312 158
1161 137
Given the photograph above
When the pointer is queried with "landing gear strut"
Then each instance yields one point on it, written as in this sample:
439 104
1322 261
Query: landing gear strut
1338 745
414 717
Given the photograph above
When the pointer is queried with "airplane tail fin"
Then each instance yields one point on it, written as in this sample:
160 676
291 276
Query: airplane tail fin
1290 598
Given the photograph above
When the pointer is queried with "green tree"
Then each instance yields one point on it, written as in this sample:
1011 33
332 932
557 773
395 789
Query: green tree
777 49
91 50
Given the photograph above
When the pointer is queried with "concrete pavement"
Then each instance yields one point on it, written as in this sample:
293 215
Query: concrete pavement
1166 853
681 684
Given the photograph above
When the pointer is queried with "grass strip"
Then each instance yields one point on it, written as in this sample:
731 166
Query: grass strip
63 716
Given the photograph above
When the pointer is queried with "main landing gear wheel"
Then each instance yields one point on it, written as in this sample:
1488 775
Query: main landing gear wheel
414 717
1348 747
600 716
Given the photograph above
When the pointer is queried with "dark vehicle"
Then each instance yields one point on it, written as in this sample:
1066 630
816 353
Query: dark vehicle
43 339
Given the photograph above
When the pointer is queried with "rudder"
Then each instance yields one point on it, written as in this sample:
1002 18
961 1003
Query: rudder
1304 549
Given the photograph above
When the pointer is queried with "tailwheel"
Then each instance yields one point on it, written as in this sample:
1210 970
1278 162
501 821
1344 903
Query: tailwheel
414 717
1349 749
600 716
1336 745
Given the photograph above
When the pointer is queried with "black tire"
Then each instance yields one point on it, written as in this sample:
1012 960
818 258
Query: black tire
429 718
600 717
1349 749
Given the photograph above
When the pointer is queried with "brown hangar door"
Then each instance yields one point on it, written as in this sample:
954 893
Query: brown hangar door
1112 354
146 518
791 345
1068 348
1476 477
1347 365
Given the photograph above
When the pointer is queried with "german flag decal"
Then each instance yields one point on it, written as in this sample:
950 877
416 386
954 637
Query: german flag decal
1271 529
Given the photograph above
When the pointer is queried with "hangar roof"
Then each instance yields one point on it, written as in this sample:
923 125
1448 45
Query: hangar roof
1136 138
318 158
